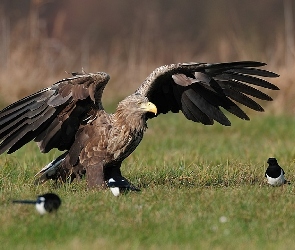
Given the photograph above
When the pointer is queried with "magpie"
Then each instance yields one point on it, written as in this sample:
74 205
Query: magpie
274 173
119 185
45 203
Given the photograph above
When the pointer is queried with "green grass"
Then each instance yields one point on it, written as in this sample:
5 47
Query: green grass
202 188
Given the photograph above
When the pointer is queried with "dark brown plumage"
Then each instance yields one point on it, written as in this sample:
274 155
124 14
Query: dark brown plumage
69 115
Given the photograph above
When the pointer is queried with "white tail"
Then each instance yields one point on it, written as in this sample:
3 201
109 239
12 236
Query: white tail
50 169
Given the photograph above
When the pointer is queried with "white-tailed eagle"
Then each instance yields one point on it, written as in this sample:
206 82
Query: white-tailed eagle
70 116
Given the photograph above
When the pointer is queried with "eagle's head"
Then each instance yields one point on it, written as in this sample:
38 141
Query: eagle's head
131 113
136 105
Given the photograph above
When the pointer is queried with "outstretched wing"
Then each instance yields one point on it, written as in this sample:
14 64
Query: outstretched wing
200 89
52 115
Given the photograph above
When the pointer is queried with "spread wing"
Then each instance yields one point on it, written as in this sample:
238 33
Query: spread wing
200 89
52 115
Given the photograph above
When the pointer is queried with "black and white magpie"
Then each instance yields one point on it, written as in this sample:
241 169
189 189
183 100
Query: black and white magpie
120 185
45 203
274 173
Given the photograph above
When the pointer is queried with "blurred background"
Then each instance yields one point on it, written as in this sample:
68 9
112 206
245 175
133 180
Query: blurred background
42 40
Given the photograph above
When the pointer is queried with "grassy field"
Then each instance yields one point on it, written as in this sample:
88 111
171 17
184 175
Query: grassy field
202 188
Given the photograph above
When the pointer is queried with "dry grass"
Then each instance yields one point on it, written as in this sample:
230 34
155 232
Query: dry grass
31 60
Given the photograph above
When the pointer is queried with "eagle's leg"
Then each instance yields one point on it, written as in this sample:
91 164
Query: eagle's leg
95 176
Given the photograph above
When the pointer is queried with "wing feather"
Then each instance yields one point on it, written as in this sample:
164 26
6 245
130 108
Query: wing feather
207 88
193 112
52 115
20 120
246 89
220 100
243 99
19 131
187 106
26 103
253 71
248 79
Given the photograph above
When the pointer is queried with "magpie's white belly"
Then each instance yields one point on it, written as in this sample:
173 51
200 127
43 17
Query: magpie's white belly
40 208
276 181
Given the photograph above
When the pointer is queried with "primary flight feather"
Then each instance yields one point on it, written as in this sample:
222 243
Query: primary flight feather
70 116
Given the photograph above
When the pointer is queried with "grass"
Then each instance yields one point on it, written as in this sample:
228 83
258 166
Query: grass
202 188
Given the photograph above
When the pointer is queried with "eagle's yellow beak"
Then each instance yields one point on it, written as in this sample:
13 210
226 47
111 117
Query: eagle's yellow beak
149 107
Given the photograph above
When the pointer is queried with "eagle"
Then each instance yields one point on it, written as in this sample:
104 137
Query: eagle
70 117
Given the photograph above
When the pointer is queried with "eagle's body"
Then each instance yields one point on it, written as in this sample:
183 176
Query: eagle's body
102 144
69 115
